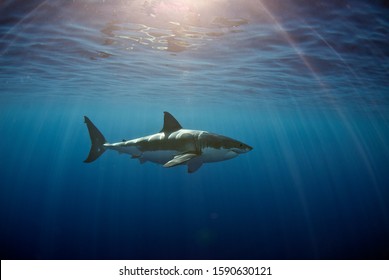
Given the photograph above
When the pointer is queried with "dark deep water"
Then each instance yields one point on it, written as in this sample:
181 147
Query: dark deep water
306 83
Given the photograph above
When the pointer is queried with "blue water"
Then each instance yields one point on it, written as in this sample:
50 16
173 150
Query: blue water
305 83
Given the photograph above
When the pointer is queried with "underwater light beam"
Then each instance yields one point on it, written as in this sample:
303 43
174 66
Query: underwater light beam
12 29
290 41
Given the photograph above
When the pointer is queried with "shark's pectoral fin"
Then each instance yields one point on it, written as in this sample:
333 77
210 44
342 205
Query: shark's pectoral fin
180 159
194 164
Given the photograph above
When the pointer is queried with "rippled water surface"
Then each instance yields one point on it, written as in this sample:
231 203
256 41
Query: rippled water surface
306 83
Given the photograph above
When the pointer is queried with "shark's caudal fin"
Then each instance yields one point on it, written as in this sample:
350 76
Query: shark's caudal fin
97 139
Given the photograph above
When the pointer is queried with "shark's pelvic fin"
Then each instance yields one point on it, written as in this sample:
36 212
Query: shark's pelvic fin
97 139
180 159
194 164
170 124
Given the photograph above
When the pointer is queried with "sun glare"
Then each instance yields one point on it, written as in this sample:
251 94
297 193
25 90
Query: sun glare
181 10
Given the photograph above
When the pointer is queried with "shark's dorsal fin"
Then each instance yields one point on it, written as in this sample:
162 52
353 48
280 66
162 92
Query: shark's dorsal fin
170 124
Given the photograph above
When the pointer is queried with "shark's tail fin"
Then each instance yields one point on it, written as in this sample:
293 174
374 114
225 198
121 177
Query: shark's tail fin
97 139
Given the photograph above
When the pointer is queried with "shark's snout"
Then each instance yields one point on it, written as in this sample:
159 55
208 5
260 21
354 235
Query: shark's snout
243 148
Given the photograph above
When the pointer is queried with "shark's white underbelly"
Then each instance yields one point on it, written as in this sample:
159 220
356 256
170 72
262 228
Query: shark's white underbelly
160 157
207 155
214 155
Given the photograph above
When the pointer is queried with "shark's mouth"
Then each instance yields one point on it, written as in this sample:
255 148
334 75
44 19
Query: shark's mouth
239 151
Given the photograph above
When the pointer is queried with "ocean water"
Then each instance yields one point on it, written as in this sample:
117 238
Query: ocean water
305 83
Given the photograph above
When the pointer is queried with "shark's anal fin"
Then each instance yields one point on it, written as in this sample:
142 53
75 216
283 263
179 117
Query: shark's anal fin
180 159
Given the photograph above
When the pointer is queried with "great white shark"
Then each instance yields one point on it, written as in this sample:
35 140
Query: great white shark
172 146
